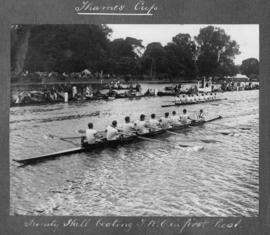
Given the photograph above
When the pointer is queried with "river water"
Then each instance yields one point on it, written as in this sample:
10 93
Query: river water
216 176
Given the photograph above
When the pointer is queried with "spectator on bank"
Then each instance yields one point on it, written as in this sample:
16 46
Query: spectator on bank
74 91
54 94
65 75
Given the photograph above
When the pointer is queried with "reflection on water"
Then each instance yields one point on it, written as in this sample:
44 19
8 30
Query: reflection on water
216 176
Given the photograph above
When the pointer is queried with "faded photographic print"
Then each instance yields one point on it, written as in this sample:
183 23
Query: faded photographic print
134 120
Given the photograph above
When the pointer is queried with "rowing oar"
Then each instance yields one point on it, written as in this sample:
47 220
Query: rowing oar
80 131
174 133
67 139
242 128
61 138
160 141
202 140
178 134
218 124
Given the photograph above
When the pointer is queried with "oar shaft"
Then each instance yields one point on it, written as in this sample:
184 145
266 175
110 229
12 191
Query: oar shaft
174 133
222 125
62 138
71 137
150 139
160 141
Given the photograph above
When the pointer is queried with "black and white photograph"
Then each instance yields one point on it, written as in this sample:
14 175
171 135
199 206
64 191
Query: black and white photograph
134 120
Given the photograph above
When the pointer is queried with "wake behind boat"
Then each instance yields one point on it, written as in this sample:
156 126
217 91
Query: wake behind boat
85 147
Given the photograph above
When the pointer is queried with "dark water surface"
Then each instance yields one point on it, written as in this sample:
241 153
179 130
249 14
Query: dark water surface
214 177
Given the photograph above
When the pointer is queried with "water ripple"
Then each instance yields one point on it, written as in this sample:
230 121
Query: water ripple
143 178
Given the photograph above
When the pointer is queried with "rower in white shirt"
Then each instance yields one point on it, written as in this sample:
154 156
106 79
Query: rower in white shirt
184 118
153 123
201 115
112 132
192 99
175 119
141 125
203 98
165 122
207 96
196 98
183 99
188 99
177 99
91 134
200 97
128 127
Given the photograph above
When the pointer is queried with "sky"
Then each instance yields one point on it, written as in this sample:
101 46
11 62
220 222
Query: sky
246 35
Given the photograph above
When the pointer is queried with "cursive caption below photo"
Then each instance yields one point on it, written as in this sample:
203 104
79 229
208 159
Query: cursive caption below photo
144 223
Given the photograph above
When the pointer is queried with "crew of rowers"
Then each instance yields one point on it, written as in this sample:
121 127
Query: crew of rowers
184 99
142 126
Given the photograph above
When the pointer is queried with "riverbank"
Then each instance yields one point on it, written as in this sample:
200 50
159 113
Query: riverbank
62 92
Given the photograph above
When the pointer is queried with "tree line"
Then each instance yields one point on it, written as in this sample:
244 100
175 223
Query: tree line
73 48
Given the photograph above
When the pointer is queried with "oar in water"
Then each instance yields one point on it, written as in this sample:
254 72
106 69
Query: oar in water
160 141
62 138
67 139
175 133
227 132
80 131
202 140
222 125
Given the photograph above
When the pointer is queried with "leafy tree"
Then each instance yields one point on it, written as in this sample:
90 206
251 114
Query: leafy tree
72 48
154 59
216 51
124 58
20 35
181 54
61 48
250 66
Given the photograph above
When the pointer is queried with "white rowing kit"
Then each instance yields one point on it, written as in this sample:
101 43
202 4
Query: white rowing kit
166 123
201 117
175 120
90 136
185 119
141 127
112 133
153 123
128 128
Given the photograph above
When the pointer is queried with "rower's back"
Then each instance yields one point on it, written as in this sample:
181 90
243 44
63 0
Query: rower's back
111 131
141 125
128 127
90 134
184 117
153 123
165 121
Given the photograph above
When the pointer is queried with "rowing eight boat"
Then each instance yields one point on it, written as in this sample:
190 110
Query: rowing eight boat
198 102
112 143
